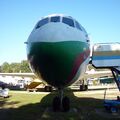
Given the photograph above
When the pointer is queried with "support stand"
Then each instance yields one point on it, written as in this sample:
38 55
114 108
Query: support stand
61 97
116 75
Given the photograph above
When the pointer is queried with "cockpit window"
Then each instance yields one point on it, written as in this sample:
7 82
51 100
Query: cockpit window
55 19
42 22
68 21
84 30
78 25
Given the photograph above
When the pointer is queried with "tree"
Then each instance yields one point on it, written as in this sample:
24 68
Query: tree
6 67
24 66
15 67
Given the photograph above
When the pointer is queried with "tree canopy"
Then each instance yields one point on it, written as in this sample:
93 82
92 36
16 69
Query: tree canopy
23 67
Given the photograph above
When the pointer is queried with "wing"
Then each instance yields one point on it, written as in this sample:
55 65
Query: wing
19 74
97 74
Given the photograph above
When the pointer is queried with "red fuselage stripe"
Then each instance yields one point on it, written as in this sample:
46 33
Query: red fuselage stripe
79 60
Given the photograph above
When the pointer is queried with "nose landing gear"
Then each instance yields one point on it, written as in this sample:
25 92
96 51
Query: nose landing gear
60 103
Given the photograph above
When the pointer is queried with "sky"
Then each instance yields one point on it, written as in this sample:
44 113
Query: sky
100 18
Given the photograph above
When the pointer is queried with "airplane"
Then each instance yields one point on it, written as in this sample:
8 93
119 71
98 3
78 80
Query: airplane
58 50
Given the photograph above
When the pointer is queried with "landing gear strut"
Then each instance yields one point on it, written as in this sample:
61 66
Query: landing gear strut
61 103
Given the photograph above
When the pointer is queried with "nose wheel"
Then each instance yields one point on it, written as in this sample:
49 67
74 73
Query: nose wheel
66 104
56 104
60 103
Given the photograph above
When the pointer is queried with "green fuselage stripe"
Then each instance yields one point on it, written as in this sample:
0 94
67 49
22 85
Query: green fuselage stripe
54 61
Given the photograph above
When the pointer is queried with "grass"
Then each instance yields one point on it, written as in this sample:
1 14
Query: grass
30 106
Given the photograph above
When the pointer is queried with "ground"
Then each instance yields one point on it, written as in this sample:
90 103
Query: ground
37 106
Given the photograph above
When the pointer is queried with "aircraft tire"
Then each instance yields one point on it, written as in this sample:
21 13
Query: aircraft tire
48 89
83 87
86 87
66 104
56 104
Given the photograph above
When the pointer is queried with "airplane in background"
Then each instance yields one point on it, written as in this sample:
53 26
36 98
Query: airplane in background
58 50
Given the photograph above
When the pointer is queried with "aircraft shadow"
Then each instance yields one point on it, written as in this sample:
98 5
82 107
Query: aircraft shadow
82 108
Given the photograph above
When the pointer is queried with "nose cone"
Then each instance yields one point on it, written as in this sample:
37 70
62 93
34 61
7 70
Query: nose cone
57 49
57 62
